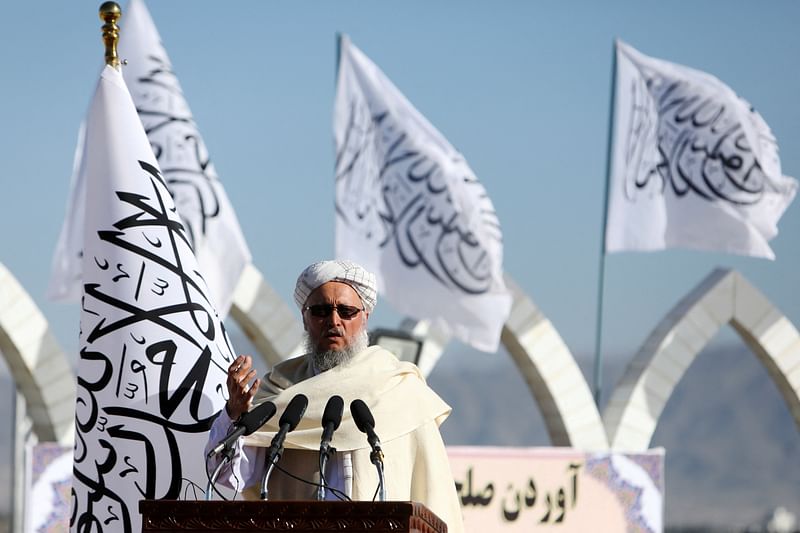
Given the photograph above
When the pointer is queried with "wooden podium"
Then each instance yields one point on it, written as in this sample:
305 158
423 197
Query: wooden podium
162 516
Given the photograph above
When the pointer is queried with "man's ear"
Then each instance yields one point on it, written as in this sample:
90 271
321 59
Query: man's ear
305 326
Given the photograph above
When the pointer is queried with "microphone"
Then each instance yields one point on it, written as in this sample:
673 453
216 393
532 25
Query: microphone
245 425
366 424
289 420
331 418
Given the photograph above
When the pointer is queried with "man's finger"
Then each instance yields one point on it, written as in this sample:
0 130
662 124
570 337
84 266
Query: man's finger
253 388
236 363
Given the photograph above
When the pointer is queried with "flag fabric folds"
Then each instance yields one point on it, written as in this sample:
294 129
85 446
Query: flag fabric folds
153 351
410 209
210 221
693 164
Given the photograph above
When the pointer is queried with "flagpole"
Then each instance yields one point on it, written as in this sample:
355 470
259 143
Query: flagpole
598 371
335 150
338 56
110 13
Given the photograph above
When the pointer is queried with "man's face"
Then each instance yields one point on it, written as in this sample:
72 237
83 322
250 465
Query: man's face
333 332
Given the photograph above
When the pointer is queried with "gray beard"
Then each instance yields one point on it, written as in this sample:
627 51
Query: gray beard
331 358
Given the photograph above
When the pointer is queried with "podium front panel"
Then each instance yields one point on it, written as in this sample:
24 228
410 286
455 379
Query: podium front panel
164 516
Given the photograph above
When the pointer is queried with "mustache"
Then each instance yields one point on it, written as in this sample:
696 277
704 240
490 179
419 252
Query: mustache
334 331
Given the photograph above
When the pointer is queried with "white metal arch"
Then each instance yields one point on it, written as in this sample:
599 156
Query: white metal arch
553 377
39 367
724 297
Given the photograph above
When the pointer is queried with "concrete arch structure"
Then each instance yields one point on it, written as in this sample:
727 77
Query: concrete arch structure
265 318
44 377
724 297
39 367
553 377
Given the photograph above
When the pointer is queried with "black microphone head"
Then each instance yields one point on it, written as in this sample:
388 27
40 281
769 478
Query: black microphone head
362 416
257 417
333 412
294 411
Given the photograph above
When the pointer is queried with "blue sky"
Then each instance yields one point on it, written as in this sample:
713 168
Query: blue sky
522 89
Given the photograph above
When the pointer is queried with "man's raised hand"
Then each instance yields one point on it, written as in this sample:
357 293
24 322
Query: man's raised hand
240 390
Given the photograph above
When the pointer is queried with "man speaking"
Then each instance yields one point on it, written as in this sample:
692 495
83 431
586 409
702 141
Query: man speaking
336 299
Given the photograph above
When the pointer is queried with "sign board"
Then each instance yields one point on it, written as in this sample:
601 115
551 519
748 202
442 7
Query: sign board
559 489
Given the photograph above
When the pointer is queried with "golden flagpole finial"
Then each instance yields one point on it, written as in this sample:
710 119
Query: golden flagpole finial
110 13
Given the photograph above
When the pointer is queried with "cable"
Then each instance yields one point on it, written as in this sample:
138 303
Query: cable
339 494
213 485
324 482
193 487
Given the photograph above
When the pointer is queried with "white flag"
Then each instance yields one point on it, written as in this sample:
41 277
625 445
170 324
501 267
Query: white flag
409 208
153 351
694 166
211 223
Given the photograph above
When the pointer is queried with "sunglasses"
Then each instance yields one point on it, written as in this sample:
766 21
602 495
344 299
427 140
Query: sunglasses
346 312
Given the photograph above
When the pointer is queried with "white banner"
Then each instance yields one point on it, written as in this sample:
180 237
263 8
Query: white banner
694 166
409 208
211 223
153 351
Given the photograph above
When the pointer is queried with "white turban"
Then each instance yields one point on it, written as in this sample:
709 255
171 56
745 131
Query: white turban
363 282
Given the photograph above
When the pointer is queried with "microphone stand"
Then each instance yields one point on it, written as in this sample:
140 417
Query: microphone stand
265 480
376 456
324 455
273 456
227 457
